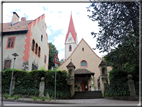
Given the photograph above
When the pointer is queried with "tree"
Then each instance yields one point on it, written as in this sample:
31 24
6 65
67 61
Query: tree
119 29
116 21
62 60
52 53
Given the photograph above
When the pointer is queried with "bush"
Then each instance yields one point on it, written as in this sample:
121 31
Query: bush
28 82
34 98
118 83
16 97
6 96
43 98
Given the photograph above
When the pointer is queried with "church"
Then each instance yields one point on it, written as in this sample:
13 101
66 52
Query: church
88 71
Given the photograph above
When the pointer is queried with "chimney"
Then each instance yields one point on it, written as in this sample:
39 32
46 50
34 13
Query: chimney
23 19
15 18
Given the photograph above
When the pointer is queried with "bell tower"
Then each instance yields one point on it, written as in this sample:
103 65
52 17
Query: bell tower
71 39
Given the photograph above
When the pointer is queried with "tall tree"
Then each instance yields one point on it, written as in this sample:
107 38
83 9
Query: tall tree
116 21
52 53
119 29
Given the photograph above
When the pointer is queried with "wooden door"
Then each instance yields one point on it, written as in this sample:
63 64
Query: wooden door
84 84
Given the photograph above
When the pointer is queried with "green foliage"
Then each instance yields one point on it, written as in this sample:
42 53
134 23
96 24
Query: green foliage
118 83
48 97
28 82
93 85
43 98
119 29
16 97
78 88
52 53
6 96
114 28
42 68
34 98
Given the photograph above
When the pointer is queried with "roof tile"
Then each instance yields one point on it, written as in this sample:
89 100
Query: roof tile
19 26
83 71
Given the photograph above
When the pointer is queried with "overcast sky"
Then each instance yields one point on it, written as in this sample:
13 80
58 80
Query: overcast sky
57 17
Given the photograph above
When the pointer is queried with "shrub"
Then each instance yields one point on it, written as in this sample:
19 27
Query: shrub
6 96
28 82
16 97
43 98
34 98
118 83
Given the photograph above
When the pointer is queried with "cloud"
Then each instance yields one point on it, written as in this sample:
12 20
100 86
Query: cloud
61 55
59 42
57 17
48 32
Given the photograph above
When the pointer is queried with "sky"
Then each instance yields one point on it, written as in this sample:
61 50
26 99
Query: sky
57 17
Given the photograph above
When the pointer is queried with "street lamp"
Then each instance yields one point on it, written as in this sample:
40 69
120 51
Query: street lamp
14 54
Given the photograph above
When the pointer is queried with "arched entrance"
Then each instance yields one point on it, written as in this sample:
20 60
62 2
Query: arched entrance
84 86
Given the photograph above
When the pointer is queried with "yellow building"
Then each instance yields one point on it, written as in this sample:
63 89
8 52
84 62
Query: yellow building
85 66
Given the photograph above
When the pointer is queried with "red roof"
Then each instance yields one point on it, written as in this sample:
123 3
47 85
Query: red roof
70 65
19 26
71 29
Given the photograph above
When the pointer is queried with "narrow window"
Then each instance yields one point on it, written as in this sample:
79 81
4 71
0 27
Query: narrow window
103 70
69 47
38 51
33 45
11 42
82 49
7 64
41 37
70 72
45 59
83 63
36 48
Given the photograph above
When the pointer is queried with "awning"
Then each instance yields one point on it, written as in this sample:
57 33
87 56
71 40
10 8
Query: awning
82 72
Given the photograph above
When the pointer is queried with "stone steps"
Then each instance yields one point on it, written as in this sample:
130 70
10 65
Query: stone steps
87 95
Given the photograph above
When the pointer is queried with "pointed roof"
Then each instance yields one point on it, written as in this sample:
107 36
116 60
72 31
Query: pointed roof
102 63
70 65
71 29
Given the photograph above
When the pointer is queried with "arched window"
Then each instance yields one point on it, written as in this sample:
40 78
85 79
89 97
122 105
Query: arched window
33 45
103 70
39 51
36 48
83 63
69 47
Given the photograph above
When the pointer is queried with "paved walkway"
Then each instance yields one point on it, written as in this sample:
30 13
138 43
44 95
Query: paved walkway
82 102
98 101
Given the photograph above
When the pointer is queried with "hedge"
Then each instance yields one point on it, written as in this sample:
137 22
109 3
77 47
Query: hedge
118 83
27 83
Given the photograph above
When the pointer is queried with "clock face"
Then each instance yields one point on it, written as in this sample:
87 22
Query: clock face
70 39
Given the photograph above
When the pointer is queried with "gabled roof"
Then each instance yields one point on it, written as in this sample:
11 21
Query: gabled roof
19 26
71 29
102 63
70 65
76 48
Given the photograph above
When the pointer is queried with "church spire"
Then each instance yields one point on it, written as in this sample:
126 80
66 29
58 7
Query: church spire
71 29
